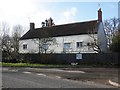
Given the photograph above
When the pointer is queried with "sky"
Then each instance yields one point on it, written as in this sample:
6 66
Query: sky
23 12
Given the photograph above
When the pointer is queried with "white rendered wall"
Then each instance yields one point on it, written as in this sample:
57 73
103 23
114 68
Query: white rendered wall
73 39
33 46
102 40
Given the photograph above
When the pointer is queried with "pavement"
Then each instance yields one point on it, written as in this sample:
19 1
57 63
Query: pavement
106 76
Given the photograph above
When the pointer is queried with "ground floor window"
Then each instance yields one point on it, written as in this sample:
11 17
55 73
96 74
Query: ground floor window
79 44
67 46
24 46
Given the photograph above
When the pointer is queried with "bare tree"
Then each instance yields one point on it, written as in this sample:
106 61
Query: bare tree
16 34
111 28
4 29
94 44
10 43
5 40
19 30
45 43
6 46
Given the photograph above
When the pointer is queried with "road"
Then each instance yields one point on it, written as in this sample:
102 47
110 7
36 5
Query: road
20 78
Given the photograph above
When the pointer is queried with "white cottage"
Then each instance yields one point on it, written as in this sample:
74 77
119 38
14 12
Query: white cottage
69 38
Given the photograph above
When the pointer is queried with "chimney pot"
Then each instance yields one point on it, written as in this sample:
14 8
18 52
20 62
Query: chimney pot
50 21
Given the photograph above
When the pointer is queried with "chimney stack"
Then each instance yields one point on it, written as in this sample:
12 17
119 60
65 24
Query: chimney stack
32 26
100 15
50 22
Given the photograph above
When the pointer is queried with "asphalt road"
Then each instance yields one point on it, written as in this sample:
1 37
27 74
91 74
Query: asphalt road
24 79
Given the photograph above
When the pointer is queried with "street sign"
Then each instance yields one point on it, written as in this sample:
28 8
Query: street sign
79 56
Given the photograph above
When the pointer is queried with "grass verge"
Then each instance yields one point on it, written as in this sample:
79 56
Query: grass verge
42 65
30 65
51 65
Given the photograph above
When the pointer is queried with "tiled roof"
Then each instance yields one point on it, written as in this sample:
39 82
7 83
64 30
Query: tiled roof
63 30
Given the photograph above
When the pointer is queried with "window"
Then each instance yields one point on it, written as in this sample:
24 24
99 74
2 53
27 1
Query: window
90 44
67 46
79 44
24 46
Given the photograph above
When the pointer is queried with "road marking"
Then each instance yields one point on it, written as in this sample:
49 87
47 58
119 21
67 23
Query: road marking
41 74
14 70
4 69
67 71
89 81
58 76
27 72
76 71
57 70
7 69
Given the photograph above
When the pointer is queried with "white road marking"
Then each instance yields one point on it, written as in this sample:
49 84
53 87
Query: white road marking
67 71
4 69
76 71
58 76
14 70
57 70
27 72
41 74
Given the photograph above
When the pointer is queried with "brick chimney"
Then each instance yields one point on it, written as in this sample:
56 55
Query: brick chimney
100 15
50 22
32 26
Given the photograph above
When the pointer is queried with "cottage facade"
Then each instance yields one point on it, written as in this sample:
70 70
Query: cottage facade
69 38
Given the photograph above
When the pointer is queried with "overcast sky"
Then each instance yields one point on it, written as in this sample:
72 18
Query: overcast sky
25 11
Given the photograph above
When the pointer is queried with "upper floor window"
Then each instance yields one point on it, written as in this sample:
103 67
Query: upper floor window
24 46
79 44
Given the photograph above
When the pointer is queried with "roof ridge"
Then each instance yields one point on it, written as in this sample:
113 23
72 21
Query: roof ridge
69 24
